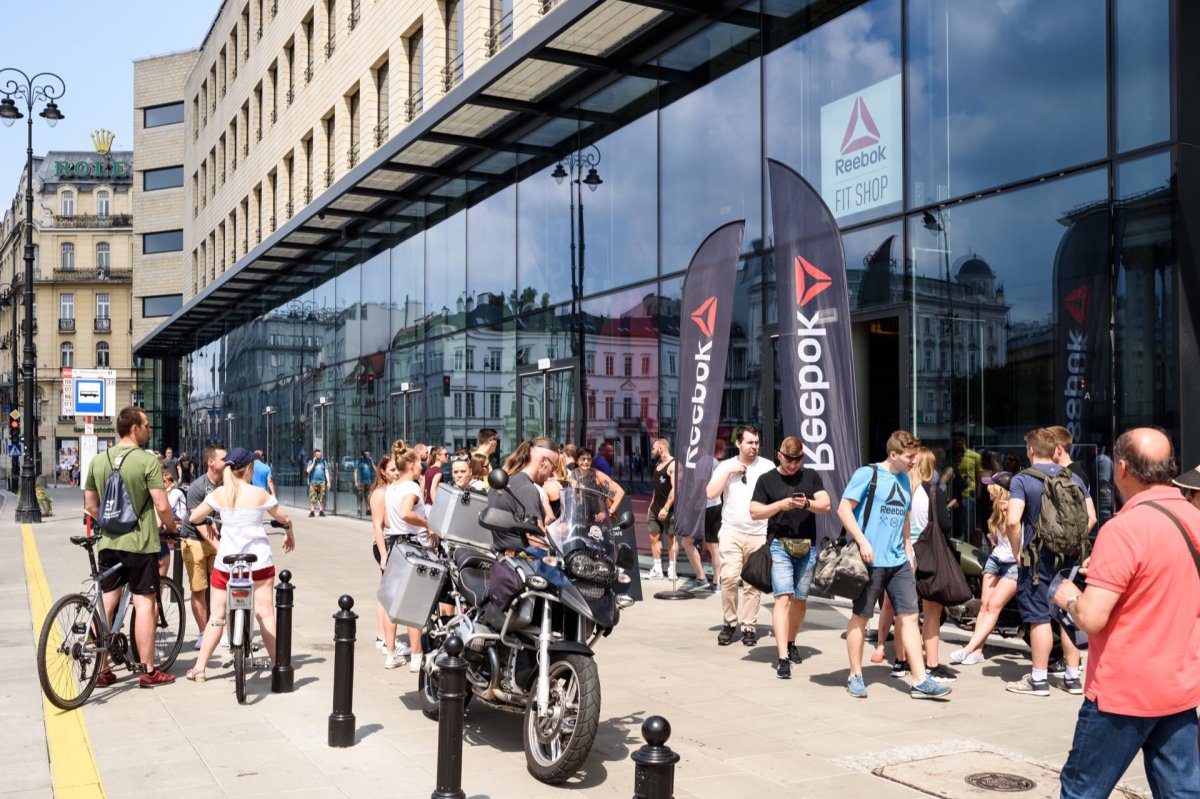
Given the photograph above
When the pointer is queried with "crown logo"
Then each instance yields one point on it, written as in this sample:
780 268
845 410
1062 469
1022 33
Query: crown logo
102 140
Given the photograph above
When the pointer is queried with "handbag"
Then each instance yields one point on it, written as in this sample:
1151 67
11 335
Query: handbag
840 570
939 576
796 547
756 571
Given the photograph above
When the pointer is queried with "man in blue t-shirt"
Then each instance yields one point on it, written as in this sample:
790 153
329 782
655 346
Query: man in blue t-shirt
262 476
364 476
878 522
317 479
1024 510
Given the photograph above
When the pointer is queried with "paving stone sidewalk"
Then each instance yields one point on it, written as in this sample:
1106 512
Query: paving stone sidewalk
741 732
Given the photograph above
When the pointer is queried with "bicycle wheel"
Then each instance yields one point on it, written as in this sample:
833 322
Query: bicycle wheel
241 660
168 630
68 656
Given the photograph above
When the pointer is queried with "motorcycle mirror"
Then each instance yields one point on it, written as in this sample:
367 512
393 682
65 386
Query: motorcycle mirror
625 519
498 479
625 557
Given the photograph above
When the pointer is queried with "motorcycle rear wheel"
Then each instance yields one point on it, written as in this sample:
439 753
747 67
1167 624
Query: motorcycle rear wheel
557 745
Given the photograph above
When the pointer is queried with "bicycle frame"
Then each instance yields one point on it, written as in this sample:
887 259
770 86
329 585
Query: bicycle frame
239 603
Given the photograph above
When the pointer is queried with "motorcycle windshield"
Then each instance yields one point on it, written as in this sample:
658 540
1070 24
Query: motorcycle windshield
584 521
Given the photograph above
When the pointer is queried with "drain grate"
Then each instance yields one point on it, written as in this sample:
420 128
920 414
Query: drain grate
1001 782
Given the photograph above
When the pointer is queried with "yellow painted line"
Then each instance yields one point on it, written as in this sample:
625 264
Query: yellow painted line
73 769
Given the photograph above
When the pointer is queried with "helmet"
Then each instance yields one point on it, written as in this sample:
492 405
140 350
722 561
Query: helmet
1069 627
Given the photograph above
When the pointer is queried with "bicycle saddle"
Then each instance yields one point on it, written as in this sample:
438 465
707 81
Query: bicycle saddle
228 559
83 540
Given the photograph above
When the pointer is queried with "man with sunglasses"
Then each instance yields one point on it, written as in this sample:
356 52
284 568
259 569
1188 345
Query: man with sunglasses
740 536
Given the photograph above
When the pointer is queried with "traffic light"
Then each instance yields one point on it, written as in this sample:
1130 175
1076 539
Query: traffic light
14 429
371 384
360 381
445 385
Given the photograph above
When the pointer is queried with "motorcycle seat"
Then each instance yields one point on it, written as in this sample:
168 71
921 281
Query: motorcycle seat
474 585
471 558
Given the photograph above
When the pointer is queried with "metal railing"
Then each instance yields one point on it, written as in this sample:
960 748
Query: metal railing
352 157
381 133
195 211
102 324
232 73
272 220
414 104
274 8
257 135
328 176
291 209
308 192
257 236
452 73
355 15
291 95
246 149
546 5
233 162
66 325
330 46
258 33
499 34
93 220
274 116
246 54
308 73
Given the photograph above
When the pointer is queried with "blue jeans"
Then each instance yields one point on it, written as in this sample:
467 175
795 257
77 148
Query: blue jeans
791 575
1106 743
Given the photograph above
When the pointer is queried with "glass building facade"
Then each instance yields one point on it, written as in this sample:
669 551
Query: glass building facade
1006 148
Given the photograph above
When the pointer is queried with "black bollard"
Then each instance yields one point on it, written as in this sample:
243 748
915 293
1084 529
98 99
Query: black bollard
452 695
654 769
282 672
341 720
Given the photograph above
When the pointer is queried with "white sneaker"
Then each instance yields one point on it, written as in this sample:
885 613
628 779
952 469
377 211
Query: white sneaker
655 574
393 660
199 639
671 575
380 645
403 648
961 657
414 665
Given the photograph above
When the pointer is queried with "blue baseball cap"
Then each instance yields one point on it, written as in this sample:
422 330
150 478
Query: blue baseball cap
238 458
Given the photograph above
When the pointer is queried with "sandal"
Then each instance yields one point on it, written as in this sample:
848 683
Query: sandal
196 676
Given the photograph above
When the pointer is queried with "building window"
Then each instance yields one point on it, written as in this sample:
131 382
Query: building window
608 365
162 305
159 115
470 404
627 407
671 365
590 363
458 404
645 365
102 305
645 408
103 204
67 354
629 366
591 409
470 359
103 257
66 306
163 241
494 359
608 407
67 203
102 355
67 261
458 360
494 405
168 177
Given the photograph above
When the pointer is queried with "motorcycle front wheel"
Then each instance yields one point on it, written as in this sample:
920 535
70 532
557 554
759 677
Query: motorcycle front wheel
428 692
557 744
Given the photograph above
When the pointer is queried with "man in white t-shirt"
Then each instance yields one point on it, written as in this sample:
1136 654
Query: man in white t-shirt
733 480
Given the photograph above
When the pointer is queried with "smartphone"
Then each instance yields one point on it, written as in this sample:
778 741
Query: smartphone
799 495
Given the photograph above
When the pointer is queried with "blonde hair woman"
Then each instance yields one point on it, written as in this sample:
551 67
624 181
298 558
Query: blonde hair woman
406 516
242 505
999 573
385 638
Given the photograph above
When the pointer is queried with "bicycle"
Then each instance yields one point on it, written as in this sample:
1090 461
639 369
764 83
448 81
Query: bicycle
76 634
239 615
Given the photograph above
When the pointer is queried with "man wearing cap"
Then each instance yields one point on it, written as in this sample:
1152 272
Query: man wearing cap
1141 611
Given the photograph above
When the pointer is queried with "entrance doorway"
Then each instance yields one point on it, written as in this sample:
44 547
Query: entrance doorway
546 399
881 377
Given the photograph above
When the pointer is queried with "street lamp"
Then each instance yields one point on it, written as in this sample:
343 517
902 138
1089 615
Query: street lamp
937 225
587 158
229 417
268 412
43 87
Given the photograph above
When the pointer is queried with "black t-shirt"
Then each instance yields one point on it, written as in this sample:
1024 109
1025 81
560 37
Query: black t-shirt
1077 469
774 486
522 488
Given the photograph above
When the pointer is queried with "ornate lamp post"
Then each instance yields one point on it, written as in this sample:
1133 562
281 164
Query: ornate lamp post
43 87
576 162
937 225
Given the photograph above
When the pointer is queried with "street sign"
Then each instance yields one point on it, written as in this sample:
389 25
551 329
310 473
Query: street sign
96 387
15 451
14 414
89 397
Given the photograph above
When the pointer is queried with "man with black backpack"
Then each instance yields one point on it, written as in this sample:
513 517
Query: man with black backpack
1047 527
128 516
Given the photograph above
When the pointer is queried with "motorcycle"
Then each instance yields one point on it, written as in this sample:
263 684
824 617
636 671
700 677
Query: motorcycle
528 624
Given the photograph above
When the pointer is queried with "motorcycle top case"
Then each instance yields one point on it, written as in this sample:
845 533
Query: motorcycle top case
412 583
455 517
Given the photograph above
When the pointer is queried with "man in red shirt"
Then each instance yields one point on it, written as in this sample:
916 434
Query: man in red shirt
1141 611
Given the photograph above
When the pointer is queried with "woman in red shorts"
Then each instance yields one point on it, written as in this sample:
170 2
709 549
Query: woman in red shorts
241 505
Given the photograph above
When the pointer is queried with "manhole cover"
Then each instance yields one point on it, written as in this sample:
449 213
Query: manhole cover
998 781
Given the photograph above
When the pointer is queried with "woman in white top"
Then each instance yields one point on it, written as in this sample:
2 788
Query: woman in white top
178 502
406 516
999 573
241 505
385 640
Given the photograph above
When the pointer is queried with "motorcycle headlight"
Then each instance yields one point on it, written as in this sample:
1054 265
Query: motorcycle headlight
537 582
585 565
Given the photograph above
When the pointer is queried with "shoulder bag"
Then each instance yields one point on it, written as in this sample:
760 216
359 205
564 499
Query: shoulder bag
1179 525
939 576
840 570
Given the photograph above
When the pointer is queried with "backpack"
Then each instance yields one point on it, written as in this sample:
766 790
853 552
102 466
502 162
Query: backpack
1062 526
117 515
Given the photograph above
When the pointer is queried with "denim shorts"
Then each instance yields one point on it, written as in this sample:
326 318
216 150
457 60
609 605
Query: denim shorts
1033 601
791 575
1003 569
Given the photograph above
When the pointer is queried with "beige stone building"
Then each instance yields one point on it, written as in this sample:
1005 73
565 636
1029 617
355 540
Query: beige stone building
83 274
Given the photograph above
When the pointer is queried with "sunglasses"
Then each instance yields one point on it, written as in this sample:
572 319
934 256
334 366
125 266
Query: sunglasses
458 458
791 458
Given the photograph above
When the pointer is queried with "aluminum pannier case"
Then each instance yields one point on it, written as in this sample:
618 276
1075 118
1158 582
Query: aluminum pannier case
412 583
455 517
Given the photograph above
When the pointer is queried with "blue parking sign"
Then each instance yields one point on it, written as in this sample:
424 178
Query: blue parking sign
89 397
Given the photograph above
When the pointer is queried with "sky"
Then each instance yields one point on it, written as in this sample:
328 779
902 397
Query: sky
92 48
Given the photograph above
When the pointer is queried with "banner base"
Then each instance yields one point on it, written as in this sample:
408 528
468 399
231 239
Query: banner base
674 594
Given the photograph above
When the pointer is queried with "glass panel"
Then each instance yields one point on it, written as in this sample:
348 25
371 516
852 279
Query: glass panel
544 223
492 257
833 110
168 177
158 115
407 266
712 170
1143 72
994 98
446 274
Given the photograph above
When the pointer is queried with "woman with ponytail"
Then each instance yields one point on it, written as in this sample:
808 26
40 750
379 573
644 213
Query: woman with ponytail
406 516
385 638
241 505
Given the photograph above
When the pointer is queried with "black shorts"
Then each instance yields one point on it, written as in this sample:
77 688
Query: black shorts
712 524
138 569
389 541
900 584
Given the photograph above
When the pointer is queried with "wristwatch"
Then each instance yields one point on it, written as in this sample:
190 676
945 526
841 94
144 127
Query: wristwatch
1067 604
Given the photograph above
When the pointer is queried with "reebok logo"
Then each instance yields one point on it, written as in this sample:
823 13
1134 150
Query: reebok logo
810 281
896 497
861 132
705 316
1077 304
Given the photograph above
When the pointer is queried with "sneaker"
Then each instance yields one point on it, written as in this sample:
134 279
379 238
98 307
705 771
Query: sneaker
655 573
380 645
393 660
930 689
199 640
154 678
695 584
749 636
672 575
967 659
783 669
940 673
794 654
725 637
414 665
312 513
106 679
713 586
900 669
321 513
1074 686
403 649
856 687
1058 667
1026 685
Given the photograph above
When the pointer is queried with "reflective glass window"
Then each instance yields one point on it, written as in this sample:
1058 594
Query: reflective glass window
545 219
492 260
158 115
1001 91
163 241
408 310
168 177
1143 72
446 294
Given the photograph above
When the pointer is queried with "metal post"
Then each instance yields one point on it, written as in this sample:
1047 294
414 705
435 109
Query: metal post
341 720
581 318
282 674
452 694
654 763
